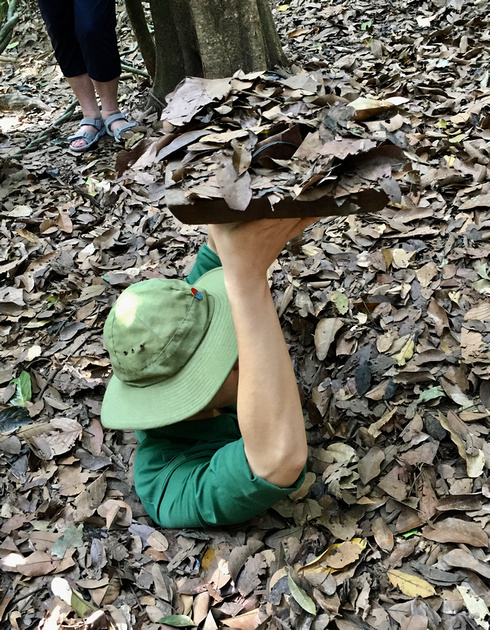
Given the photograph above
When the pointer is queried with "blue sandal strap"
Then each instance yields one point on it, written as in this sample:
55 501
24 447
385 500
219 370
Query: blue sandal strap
88 136
116 134
119 116
98 123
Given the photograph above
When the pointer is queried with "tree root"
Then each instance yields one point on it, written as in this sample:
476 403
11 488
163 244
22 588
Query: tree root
159 103
33 144
8 28
6 32
132 70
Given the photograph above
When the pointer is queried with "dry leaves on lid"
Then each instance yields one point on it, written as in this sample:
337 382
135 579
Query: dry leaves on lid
339 161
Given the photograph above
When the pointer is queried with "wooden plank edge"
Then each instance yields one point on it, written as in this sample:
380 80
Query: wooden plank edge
206 211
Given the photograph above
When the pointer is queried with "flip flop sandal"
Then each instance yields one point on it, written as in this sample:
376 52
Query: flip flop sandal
90 137
116 134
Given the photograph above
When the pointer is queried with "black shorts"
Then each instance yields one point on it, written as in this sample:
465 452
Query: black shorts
83 34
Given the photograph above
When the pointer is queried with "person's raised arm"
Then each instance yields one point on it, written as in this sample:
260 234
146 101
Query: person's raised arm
268 407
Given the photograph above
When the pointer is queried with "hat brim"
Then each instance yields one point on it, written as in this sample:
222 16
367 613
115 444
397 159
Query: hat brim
189 391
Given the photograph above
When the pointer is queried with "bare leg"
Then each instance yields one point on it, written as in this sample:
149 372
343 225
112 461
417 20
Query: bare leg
84 91
107 91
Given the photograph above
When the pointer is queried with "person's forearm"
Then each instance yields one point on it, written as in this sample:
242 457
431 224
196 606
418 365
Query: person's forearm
269 408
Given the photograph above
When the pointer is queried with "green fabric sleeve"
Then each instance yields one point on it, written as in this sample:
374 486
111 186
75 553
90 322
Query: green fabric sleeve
203 486
205 261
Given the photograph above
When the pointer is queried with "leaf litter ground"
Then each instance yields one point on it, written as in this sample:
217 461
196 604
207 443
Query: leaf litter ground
387 319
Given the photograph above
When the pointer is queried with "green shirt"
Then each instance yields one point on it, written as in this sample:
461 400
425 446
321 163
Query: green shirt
195 473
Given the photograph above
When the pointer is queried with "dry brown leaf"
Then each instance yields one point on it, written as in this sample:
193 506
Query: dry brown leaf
401 258
394 483
303 490
36 564
456 530
325 333
49 445
200 607
384 342
469 446
224 137
418 622
336 557
191 96
235 189
423 454
370 464
480 313
463 559
88 500
116 511
368 107
428 501
382 534
411 585
248 621
93 437
64 222
158 541
374 429
438 316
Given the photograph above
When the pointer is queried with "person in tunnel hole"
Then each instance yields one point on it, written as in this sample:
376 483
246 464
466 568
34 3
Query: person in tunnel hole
202 373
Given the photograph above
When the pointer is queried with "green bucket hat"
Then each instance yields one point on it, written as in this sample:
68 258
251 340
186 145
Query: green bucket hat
171 346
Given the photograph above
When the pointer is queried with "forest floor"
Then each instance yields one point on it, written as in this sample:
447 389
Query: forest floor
390 529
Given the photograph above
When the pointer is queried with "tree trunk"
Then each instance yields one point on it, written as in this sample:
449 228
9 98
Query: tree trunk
211 38
177 53
274 53
142 33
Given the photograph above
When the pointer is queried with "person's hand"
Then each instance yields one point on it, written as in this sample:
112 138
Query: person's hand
249 248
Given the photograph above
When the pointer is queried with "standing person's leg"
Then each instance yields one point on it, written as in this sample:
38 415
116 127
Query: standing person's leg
60 24
83 88
95 24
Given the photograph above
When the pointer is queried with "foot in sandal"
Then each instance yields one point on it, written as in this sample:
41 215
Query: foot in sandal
91 129
117 124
